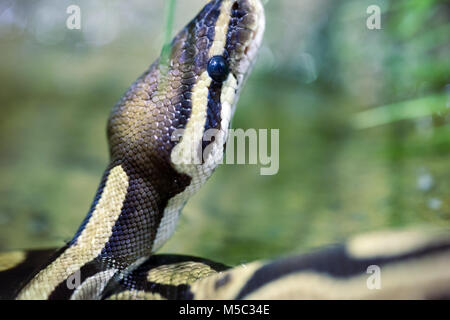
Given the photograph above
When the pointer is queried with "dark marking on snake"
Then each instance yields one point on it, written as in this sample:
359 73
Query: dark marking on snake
222 281
325 261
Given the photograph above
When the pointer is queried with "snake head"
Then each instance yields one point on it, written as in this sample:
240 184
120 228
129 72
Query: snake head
230 30
212 56
180 110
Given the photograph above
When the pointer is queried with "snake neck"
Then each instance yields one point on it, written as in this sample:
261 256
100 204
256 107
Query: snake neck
126 217
132 215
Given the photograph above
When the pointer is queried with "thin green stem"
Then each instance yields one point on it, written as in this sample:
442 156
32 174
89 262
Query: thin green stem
169 18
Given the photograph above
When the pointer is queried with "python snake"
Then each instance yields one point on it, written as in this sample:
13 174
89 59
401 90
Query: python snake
156 136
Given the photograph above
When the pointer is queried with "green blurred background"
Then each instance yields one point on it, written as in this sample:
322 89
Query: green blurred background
363 118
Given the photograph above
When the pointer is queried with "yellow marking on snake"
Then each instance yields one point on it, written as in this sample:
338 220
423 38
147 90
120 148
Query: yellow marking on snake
186 159
9 260
136 295
221 30
180 273
238 277
90 242
389 243
412 279
184 154
93 286
227 98
214 151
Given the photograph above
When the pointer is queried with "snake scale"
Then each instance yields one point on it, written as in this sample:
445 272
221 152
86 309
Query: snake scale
156 134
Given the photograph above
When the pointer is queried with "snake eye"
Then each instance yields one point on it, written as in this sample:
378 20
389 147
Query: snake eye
218 68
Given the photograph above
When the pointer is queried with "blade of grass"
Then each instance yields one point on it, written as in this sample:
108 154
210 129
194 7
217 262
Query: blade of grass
400 111
169 17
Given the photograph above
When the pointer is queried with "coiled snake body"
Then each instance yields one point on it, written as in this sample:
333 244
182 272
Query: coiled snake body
166 136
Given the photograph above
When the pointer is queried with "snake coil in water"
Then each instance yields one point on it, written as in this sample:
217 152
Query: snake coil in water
151 175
